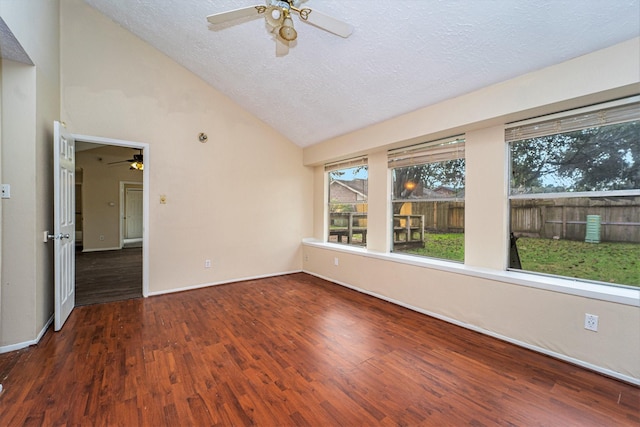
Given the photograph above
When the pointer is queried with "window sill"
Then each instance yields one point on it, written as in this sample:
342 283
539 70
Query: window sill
626 296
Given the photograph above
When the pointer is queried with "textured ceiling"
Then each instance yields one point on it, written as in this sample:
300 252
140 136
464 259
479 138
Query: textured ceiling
10 48
403 54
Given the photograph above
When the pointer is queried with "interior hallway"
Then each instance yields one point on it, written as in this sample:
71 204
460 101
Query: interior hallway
108 276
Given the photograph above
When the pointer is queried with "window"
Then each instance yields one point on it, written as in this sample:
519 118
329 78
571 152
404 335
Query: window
428 199
348 188
575 194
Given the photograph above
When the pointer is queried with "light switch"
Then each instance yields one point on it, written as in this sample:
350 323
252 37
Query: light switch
6 191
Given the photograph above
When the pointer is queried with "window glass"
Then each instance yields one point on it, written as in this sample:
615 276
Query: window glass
575 202
348 189
595 159
428 200
592 238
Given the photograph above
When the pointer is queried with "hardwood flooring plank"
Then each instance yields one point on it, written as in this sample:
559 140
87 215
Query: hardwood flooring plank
108 276
293 350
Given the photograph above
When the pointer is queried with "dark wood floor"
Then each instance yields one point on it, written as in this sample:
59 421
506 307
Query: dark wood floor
292 350
108 276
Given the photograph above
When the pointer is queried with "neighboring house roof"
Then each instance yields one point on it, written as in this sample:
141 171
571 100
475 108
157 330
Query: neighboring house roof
358 186
437 193
444 192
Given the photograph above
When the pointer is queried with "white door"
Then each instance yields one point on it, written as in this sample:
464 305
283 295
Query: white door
64 223
133 213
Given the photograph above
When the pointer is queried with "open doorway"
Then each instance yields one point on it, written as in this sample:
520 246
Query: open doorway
131 214
109 223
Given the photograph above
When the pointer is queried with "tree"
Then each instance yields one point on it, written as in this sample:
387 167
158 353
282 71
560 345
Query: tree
409 182
603 158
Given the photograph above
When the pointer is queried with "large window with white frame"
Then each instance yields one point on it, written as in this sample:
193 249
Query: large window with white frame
348 201
574 194
428 199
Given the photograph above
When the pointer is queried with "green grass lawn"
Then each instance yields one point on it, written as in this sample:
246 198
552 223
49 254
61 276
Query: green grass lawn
605 262
445 246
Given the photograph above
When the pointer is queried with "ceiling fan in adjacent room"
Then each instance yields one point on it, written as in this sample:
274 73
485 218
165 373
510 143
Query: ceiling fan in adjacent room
135 164
277 15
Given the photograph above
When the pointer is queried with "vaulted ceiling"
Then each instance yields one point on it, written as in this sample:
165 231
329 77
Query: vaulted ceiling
402 55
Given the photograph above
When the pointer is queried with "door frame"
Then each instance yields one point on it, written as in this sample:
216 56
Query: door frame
145 195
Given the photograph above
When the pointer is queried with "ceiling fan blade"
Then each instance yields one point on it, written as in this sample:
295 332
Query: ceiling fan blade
326 22
232 15
121 161
282 47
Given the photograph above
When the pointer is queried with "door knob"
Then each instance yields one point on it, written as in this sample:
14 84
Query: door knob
58 236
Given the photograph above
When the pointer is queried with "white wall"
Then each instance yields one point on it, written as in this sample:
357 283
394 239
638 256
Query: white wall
30 104
545 314
242 200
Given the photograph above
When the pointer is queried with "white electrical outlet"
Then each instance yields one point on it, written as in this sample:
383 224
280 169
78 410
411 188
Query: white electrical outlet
306 257
336 261
207 263
591 322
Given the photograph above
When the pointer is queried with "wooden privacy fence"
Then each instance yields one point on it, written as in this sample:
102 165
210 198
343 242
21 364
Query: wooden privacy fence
566 218
562 218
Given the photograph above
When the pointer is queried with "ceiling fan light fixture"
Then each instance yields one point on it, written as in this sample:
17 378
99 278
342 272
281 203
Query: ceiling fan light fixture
274 16
137 166
287 32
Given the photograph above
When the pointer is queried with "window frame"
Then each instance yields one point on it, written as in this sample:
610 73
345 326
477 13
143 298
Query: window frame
361 161
431 152
628 112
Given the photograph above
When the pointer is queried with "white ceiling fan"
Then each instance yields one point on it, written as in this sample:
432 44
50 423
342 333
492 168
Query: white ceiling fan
277 15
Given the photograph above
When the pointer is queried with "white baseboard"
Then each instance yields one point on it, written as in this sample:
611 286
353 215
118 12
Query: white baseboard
117 248
25 344
224 282
565 358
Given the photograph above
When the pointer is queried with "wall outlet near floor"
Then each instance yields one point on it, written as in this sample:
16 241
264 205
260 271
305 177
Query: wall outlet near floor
207 263
591 322
336 261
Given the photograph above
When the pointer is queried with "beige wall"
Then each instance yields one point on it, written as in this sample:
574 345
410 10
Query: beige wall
18 215
30 104
547 314
1 179
242 200
101 194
